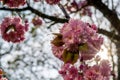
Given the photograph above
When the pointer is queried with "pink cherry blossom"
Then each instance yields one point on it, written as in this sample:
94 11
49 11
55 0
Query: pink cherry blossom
86 72
71 31
81 3
57 51
70 72
14 3
3 79
37 0
105 69
51 2
93 73
12 29
78 38
86 10
81 6
37 21
73 6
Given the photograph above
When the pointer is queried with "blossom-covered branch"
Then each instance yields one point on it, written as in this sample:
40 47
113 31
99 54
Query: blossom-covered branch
57 20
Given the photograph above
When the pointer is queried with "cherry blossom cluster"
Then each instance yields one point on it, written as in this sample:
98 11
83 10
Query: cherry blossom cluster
36 21
76 39
14 3
78 42
12 29
101 71
1 75
81 5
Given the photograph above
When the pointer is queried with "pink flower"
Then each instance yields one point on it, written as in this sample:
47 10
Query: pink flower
12 29
70 72
86 72
71 33
37 0
14 3
73 6
77 38
82 3
93 73
101 71
3 79
37 21
86 11
92 47
105 68
92 42
81 6
51 2
58 51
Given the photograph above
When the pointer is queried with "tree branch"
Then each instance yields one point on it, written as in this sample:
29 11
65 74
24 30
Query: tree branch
64 11
57 20
14 9
109 14
109 34
53 18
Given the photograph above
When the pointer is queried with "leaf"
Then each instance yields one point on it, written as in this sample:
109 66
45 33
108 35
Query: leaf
58 40
75 58
70 57
33 29
83 47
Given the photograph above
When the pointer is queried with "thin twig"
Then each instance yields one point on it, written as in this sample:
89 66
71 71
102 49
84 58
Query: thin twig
64 11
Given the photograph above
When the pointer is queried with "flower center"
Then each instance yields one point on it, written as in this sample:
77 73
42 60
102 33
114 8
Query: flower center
10 28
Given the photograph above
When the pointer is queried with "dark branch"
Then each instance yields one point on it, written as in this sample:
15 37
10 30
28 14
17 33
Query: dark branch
109 14
57 20
109 34
14 9
52 18
64 11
